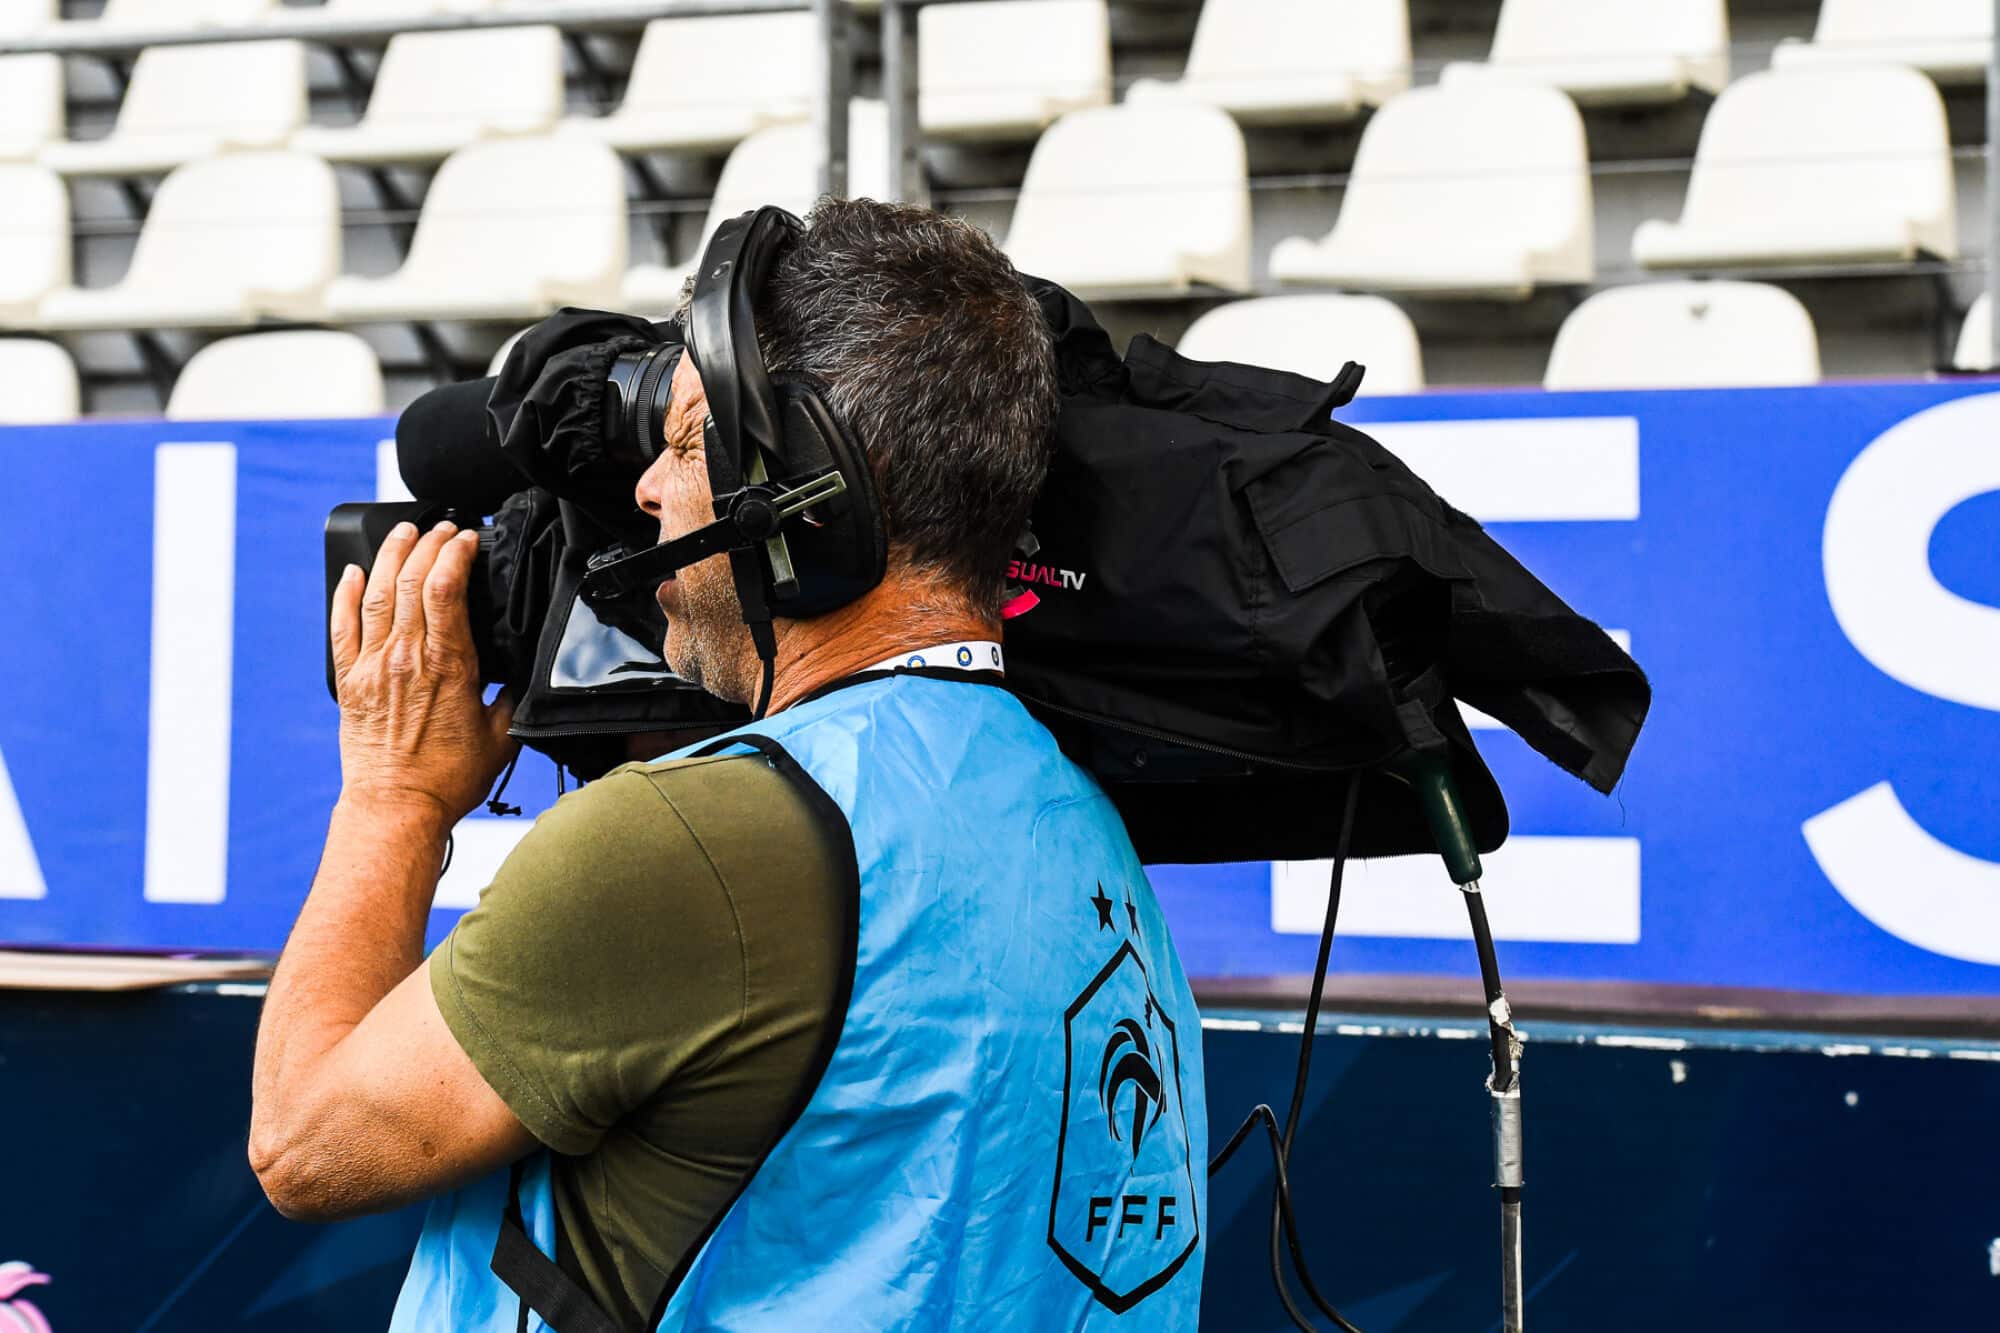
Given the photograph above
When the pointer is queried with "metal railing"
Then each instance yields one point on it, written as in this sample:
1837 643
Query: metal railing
834 72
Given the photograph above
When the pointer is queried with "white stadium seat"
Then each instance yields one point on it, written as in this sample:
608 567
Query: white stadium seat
1975 338
284 376
169 15
31 87
1136 201
1480 192
31 105
1313 336
436 92
500 354
775 166
1949 40
229 240
1832 166
186 102
1685 335
706 84
37 383
34 241
509 231
19 17
1006 69
1607 52
1293 61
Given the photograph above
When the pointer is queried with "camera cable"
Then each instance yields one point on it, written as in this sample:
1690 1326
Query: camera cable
1283 1219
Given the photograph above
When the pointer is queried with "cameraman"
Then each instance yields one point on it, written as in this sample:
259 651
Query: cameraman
872 1024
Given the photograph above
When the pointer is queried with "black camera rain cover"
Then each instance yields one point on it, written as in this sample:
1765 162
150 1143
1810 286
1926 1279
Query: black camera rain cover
1241 601
548 408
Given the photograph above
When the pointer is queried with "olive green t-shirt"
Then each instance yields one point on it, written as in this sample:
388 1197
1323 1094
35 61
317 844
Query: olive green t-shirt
650 983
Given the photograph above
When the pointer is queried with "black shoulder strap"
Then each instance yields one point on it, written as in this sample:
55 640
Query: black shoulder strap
538 1280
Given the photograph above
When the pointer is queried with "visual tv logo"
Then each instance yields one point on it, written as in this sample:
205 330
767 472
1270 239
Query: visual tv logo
1047 576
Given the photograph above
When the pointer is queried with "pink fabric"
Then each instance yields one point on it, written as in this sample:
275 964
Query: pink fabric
18 1314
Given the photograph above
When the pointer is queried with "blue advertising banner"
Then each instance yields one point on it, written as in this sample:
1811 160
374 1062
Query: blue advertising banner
1811 576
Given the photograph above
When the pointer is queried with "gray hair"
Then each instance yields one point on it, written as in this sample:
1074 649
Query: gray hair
917 332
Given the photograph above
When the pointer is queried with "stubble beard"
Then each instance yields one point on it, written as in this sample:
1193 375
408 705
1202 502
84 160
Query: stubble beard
705 643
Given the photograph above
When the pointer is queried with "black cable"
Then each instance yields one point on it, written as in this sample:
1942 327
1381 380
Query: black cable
1313 1001
1283 1220
1489 976
493 802
1320 963
1269 1119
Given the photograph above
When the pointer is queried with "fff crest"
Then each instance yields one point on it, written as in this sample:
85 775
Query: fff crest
1124 1211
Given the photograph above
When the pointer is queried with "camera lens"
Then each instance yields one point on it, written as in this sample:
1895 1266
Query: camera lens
635 418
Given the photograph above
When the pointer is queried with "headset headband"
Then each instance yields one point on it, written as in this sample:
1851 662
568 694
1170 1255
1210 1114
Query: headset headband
722 338
774 452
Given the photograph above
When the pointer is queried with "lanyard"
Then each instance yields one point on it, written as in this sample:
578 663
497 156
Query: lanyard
969 655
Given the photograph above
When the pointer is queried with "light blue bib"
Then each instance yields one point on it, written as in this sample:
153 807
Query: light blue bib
1010 1129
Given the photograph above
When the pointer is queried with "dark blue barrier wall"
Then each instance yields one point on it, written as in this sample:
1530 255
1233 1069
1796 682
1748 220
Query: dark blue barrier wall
1719 1181
1812 576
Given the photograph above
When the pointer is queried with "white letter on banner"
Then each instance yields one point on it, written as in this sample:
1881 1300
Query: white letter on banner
1544 889
20 869
194 603
1553 889
1876 553
1530 470
389 474
481 841
1893 872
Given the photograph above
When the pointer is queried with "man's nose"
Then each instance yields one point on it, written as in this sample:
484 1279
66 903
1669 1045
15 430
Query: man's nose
647 492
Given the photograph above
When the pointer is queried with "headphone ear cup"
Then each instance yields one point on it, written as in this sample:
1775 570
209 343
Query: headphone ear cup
839 547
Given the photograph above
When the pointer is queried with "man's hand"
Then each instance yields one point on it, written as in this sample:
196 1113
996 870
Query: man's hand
413 731
361 1097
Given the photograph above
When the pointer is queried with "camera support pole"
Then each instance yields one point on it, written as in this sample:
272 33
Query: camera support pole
1446 816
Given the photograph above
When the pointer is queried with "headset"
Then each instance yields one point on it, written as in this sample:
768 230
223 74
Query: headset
796 506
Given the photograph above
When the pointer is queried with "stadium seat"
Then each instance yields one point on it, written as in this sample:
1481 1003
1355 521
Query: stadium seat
34 241
1949 40
1685 335
20 17
279 377
500 355
1136 201
1607 52
1975 338
1481 192
436 92
1006 69
1313 336
706 84
37 383
509 231
167 15
31 105
1825 166
229 240
778 166
1292 61
186 102
31 87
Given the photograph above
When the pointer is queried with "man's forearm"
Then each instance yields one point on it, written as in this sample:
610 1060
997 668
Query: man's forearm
361 931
